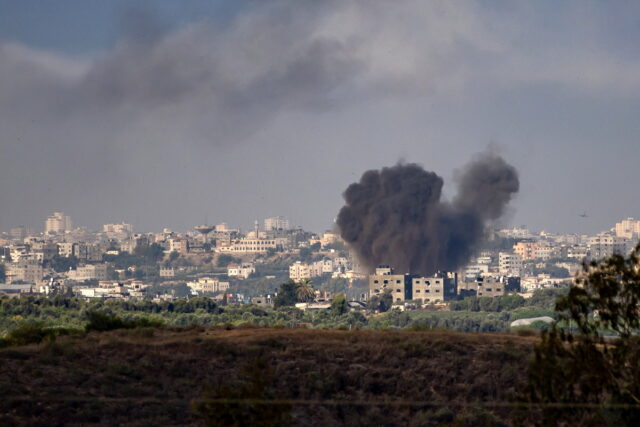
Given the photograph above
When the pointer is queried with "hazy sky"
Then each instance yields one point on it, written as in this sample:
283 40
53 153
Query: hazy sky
161 113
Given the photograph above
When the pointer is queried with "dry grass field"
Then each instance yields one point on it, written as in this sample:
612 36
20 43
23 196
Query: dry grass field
316 377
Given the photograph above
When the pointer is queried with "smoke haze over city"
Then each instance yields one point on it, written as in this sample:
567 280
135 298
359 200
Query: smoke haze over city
170 112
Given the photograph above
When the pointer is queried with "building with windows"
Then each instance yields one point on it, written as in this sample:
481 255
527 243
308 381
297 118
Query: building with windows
209 285
509 263
276 223
57 223
384 280
438 288
241 271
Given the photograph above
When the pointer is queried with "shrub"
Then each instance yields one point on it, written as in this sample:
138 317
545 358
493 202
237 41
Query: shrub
100 321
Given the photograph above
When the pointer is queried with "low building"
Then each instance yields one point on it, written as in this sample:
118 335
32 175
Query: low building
489 286
241 271
167 272
209 285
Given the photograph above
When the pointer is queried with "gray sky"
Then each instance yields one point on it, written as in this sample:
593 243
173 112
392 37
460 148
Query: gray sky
161 114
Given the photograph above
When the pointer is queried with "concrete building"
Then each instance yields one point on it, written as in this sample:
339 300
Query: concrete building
276 223
241 271
89 272
604 245
527 250
179 245
489 286
438 288
28 271
57 223
249 246
628 228
118 231
509 263
208 284
384 280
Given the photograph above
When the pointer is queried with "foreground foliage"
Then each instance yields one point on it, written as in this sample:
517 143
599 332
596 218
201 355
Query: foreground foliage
588 369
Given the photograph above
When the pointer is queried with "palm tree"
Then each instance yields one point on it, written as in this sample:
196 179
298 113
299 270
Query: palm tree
305 290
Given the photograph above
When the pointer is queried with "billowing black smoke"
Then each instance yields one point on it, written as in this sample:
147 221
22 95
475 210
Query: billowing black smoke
395 216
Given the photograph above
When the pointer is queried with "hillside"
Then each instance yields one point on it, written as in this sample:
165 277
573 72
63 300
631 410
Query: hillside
158 376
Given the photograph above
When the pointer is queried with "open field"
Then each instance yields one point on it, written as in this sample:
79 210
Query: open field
158 376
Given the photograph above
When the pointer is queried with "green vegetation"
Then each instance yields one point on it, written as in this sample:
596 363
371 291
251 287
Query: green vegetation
583 377
68 312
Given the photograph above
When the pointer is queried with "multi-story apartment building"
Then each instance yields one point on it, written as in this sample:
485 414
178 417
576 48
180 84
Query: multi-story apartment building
509 263
44 251
398 284
628 228
120 231
527 250
57 223
29 271
89 272
439 288
179 245
276 223
604 245
250 246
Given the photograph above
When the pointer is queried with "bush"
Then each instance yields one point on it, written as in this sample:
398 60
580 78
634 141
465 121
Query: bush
100 321
33 333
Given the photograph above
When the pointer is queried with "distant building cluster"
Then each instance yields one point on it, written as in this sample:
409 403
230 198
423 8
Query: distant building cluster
118 262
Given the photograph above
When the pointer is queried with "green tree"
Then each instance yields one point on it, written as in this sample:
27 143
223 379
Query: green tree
339 304
582 377
287 294
61 264
305 291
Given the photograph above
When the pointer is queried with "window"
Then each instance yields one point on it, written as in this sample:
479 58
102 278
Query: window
375 281
488 289
498 290
397 281
438 290
417 291
398 290
386 281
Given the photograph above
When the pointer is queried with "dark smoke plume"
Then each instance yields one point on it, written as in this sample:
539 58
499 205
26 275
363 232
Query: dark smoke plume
395 216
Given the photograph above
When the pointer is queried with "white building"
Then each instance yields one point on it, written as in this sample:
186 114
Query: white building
241 271
276 223
208 284
121 230
57 223
628 228
250 246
